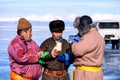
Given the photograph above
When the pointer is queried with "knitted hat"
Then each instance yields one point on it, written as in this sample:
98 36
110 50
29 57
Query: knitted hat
23 24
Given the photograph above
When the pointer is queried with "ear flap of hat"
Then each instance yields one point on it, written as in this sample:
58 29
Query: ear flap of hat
23 24
76 22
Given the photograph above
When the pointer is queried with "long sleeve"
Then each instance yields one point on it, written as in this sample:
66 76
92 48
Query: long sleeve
80 48
24 53
89 51
24 59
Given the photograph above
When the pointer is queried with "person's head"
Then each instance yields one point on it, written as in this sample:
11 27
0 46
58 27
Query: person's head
85 23
56 28
24 29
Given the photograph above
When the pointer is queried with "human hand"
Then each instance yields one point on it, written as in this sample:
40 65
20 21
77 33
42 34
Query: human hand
55 52
40 53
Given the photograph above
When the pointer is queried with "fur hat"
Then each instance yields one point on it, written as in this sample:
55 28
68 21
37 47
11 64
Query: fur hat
84 25
56 26
76 22
23 24
85 20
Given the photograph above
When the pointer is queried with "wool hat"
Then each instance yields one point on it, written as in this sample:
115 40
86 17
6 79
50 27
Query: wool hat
23 24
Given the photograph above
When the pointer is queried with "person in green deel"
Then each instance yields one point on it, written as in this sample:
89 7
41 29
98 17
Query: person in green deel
56 58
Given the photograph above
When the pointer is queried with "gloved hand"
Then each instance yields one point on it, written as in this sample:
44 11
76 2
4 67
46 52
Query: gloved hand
66 58
76 38
41 61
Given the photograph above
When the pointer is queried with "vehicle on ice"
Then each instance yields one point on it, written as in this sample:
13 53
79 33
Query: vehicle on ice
110 30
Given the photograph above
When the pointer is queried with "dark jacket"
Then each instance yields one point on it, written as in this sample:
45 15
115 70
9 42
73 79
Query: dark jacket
51 62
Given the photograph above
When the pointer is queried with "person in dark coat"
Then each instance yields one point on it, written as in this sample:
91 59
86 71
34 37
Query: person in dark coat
55 60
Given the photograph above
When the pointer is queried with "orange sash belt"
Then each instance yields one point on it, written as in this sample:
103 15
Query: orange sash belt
15 76
56 73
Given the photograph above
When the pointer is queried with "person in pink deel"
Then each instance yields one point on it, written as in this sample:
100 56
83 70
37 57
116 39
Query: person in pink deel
24 54
88 52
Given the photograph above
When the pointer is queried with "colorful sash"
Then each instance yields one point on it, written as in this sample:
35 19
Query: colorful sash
86 68
15 76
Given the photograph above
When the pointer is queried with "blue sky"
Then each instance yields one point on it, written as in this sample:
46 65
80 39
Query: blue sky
45 10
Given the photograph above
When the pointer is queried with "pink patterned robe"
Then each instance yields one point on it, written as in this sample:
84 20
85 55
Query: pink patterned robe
23 58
